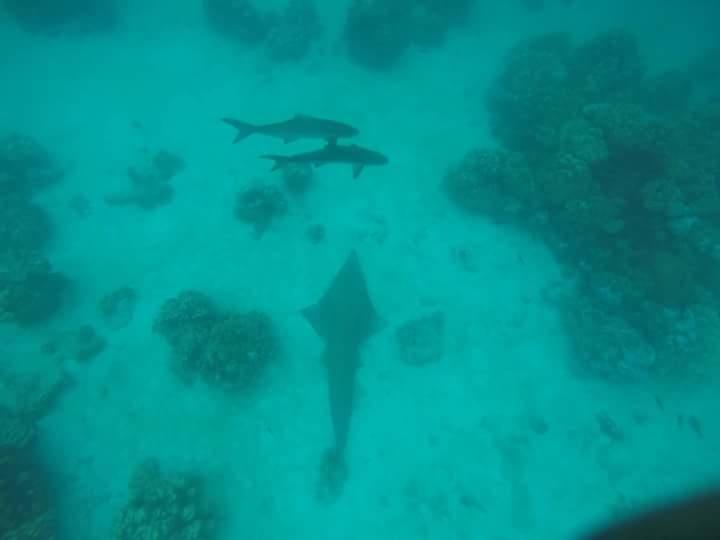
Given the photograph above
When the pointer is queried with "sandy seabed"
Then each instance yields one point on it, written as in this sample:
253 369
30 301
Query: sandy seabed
439 451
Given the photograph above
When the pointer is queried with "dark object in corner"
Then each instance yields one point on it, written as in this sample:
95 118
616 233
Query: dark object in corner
692 518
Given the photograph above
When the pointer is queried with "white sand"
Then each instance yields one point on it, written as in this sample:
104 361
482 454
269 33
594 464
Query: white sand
442 451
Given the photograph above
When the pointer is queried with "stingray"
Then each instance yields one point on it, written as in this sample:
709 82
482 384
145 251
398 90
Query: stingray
344 318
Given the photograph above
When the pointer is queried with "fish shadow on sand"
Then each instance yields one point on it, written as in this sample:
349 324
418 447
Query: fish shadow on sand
344 318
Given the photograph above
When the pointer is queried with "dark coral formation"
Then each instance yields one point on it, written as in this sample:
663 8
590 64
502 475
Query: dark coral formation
240 20
259 206
150 183
30 290
118 307
617 171
298 177
378 32
287 35
26 511
69 16
167 506
228 350
25 165
82 344
23 224
294 32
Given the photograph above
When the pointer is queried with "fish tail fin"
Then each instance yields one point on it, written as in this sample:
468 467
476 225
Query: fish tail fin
278 161
243 128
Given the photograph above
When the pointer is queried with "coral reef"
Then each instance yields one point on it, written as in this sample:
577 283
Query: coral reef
30 291
149 184
533 97
82 344
480 184
298 177
26 512
294 32
240 20
378 33
259 206
227 350
615 170
69 16
23 224
166 506
25 165
118 307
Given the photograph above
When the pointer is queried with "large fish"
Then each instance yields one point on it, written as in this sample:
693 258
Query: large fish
344 318
351 154
300 126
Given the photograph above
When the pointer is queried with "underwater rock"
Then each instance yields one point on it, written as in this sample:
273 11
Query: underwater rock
118 307
422 341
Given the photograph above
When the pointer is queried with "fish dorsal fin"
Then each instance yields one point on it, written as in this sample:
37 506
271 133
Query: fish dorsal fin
300 116
357 169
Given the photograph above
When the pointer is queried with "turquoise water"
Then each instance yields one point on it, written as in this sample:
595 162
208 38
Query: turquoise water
530 371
